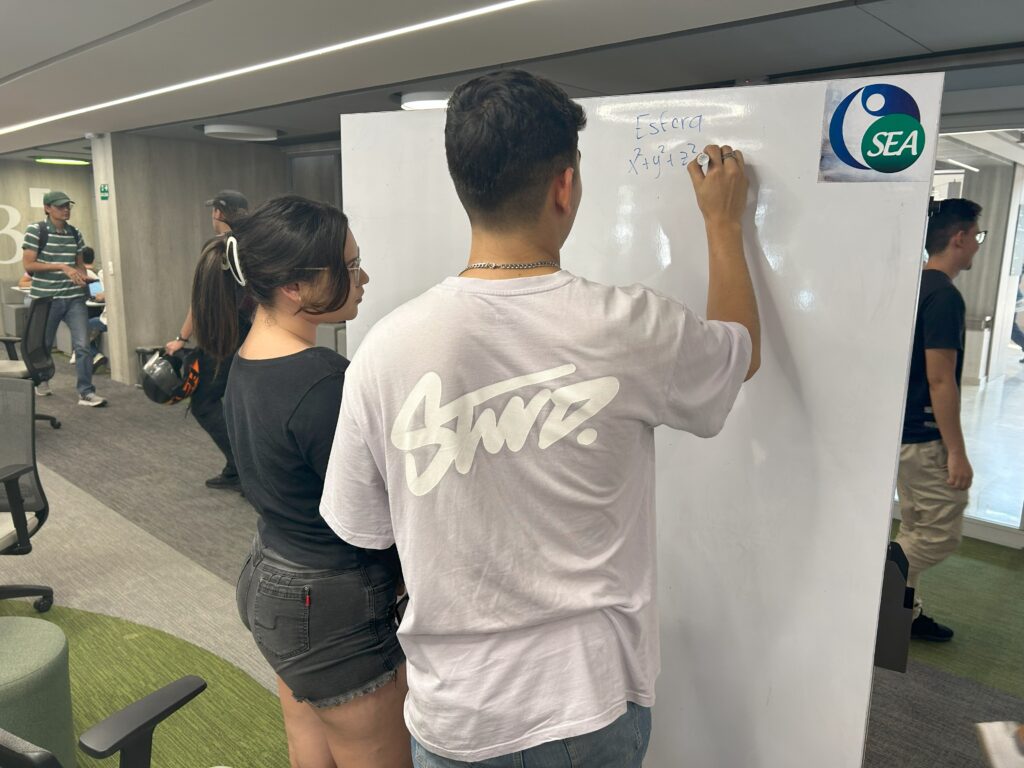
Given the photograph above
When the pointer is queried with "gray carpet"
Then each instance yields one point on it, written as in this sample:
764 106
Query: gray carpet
925 719
147 462
97 561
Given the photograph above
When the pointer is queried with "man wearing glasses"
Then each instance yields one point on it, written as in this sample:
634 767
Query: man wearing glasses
58 272
934 473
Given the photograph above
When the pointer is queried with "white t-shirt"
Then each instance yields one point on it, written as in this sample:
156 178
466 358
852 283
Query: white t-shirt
502 433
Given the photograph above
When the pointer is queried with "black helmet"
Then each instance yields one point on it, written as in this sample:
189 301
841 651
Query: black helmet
168 379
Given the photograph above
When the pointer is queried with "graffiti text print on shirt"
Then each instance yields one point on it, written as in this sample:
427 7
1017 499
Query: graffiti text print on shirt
458 445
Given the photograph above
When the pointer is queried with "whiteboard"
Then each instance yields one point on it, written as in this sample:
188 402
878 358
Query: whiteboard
772 535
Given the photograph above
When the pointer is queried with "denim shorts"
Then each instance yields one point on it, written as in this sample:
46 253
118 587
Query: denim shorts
622 744
329 634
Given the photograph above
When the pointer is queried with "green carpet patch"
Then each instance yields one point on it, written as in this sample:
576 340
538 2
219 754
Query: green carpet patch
235 722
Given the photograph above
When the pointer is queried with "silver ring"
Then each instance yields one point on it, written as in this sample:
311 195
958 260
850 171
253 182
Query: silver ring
727 155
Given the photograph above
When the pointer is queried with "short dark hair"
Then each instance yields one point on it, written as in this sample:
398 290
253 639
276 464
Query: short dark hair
954 215
88 255
507 135
288 239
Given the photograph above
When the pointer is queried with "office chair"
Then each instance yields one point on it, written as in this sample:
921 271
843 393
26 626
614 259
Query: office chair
129 731
36 362
23 505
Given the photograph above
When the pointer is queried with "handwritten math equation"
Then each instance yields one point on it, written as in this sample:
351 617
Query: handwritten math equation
674 148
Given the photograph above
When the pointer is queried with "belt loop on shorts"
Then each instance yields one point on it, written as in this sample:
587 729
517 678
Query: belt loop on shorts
257 550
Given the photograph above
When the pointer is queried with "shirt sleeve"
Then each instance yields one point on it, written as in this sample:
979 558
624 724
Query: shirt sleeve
311 421
942 318
355 501
81 241
707 362
31 240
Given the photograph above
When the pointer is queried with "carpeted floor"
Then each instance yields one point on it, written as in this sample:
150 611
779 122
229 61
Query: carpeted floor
925 719
234 722
147 462
96 560
980 594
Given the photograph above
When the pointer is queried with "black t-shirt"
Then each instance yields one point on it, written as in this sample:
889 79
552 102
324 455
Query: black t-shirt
940 325
281 415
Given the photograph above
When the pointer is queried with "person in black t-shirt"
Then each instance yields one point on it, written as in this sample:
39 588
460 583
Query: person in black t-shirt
934 472
206 403
323 612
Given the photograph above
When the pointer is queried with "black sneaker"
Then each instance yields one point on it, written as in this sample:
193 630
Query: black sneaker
927 628
224 482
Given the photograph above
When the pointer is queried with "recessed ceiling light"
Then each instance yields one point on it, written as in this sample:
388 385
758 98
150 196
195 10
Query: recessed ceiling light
240 132
60 161
425 100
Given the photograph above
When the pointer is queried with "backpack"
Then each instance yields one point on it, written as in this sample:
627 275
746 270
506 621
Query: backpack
44 234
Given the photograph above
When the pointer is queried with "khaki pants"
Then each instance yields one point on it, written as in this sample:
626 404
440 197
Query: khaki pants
931 512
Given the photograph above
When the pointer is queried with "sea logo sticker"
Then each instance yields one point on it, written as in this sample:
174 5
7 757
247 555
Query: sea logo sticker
872 133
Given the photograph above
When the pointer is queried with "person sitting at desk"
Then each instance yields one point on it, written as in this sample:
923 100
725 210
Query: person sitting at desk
98 324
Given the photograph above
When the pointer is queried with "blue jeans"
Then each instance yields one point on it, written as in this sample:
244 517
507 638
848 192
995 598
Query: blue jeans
76 317
96 328
622 744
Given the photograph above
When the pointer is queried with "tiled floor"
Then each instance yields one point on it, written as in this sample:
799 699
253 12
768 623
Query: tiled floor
993 421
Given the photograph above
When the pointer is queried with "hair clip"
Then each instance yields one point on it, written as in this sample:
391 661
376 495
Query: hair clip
233 264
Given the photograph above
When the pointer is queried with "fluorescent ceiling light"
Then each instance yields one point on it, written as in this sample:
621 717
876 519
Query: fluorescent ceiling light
387 35
962 165
425 100
240 132
947 172
60 161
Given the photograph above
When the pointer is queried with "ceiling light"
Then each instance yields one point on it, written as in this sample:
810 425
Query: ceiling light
962 165
425 100
240 132
387 35
60 161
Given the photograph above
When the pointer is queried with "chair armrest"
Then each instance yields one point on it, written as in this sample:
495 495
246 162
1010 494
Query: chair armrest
9 479
11 343
18 753
13 472
131 729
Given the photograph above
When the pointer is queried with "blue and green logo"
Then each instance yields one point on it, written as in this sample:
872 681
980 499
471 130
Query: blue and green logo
893 139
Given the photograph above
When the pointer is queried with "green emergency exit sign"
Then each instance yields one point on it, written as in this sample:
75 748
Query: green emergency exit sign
104 191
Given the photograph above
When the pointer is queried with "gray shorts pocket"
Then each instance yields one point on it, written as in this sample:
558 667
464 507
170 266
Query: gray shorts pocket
280 621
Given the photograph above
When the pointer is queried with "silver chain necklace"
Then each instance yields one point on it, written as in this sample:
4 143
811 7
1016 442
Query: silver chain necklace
493 265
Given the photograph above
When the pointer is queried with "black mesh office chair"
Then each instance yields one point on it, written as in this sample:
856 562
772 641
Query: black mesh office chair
129 731
23 505
36 363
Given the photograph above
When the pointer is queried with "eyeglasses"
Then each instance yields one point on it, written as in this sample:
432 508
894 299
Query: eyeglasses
980 237
354 266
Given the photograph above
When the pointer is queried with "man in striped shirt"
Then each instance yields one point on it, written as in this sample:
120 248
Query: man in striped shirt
58 272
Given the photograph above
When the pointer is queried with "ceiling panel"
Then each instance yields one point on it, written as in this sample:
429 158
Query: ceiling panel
948 26
822 39
35 32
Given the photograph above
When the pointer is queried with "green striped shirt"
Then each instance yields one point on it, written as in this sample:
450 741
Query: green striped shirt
60 248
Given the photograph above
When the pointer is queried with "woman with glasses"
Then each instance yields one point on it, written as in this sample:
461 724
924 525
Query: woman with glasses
321 611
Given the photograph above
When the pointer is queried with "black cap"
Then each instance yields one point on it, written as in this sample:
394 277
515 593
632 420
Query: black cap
229 199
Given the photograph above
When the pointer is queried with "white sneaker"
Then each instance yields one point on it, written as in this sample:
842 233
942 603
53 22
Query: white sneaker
92 400
43 389
98 360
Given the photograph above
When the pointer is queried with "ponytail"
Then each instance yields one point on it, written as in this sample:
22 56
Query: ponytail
215 302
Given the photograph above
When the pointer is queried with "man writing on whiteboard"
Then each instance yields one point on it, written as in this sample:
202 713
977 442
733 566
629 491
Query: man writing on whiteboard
500 429
934 473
